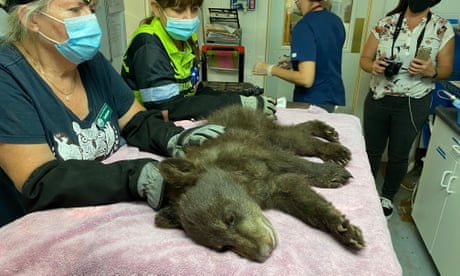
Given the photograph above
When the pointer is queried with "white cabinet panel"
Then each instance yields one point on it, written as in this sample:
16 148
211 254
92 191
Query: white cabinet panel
438 167
446 246
437 202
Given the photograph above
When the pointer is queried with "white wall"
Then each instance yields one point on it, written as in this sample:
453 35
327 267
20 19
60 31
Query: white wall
135 11
448 9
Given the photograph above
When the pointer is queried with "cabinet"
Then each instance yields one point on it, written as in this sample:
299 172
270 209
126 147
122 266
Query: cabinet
437 203
222 54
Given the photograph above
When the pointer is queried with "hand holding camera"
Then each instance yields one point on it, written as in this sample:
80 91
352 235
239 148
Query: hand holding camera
379 65
392 68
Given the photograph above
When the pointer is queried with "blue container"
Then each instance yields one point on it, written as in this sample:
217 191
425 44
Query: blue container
456 104
445 85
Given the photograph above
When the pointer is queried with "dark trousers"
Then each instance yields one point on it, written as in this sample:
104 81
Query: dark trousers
396 121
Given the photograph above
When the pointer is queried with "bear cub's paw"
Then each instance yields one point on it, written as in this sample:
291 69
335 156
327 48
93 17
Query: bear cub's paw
337 153
332 175
321 129
350 235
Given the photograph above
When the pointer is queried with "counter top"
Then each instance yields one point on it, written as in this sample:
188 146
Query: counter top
448 115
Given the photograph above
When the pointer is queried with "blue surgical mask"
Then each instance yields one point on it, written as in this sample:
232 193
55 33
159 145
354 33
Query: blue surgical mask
84 38
181 29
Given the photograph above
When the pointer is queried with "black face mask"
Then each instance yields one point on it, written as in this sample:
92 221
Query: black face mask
417 6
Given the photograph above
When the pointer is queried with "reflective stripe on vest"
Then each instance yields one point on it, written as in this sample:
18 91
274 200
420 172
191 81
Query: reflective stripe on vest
182 61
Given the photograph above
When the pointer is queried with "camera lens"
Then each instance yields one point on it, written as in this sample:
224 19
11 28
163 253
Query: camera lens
392 68
389 72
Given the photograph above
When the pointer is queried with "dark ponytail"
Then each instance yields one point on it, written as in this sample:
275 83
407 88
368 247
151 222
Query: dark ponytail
402 6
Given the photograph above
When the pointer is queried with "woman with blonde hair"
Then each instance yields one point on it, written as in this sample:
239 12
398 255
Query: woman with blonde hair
64 109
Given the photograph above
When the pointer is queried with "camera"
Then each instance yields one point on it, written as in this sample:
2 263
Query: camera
392 68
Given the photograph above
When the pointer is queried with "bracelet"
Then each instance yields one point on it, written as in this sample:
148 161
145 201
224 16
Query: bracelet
269 70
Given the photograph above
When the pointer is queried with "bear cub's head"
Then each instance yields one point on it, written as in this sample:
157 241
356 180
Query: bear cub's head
214 211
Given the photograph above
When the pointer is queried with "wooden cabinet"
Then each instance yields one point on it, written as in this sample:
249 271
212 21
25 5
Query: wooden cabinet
436 210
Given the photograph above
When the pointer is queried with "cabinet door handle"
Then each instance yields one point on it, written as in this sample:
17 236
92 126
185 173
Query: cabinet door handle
443 178
456 149
451 180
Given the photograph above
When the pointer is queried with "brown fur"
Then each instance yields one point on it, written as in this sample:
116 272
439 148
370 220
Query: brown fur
221 188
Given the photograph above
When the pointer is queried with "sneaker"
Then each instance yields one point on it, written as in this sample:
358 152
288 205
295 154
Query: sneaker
387 207
411 179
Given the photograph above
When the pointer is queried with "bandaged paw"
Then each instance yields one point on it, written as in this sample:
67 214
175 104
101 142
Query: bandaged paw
193 137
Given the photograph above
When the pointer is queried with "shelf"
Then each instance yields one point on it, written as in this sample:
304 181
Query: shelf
222 60
226 58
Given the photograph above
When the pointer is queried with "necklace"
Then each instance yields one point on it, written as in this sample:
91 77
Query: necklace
42 72
72 88
315 8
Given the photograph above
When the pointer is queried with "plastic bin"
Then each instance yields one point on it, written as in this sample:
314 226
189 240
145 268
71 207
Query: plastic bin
446 85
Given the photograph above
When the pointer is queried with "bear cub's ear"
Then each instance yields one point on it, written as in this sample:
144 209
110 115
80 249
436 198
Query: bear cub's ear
179 172
178 175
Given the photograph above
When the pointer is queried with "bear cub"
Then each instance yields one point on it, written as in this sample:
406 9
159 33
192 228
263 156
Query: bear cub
221 187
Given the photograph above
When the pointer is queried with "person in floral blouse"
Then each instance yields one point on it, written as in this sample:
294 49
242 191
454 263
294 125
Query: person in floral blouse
406 52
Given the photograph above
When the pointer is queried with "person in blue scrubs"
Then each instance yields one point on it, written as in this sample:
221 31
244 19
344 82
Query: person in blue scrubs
316 57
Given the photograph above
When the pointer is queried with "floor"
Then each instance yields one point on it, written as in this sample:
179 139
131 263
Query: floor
409 247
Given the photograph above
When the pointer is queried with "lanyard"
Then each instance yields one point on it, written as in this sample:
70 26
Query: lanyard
398 29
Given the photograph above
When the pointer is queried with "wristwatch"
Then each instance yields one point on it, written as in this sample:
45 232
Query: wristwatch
435 74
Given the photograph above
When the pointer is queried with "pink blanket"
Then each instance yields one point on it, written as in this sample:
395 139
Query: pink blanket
121 239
